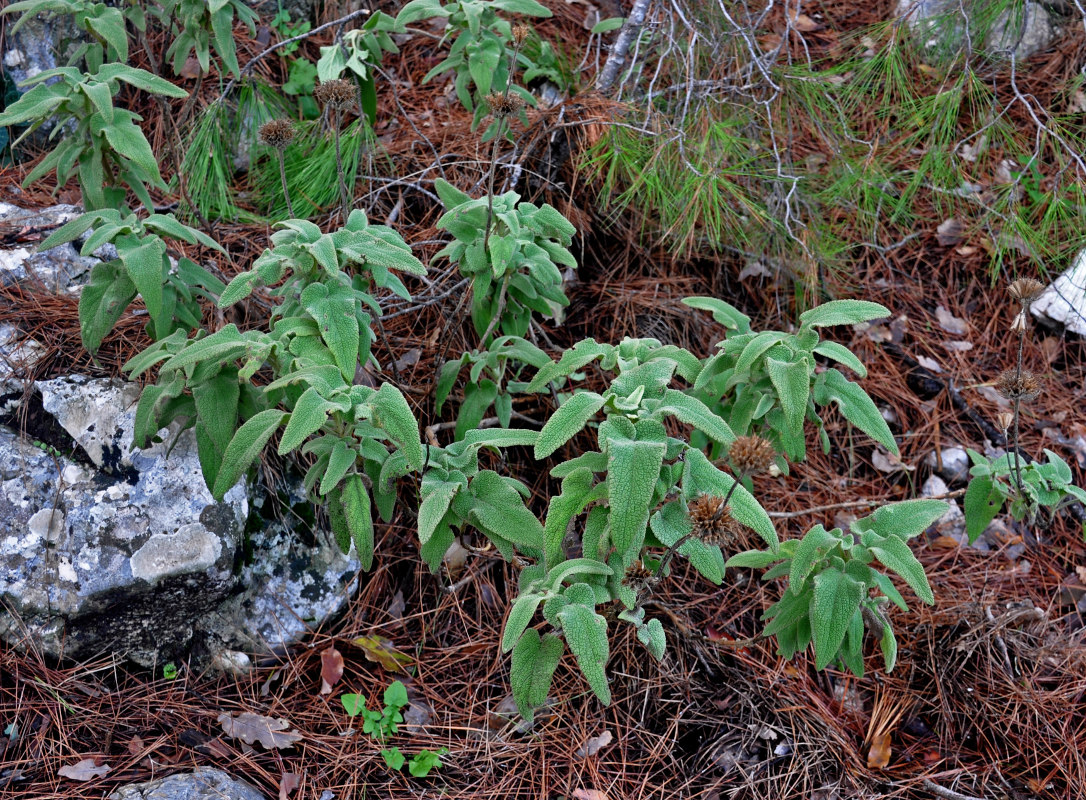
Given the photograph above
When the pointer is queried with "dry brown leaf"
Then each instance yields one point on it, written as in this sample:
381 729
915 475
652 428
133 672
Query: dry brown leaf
944 543
250 727
85 770
879 754
381 650
191 68
135 746
884 461
949 233
288 782
950 323
589 794
804 24
594 744
331 669
929 364
958 346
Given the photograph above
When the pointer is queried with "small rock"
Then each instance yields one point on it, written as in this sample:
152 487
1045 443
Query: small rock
1022 31
955 464
205 783
952 523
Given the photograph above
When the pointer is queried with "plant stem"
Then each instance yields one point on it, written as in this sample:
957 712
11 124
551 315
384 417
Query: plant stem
339 167
283 179
1017 400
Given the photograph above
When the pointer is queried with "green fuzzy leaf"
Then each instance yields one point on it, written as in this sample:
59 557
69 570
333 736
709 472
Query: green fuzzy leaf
897 556
519 618
567 422
586 635
792 380
128 140
812 548
340 461
102 302
392 413
451 197
144 265
309 414
856 406
694 412
356 507
337 519
983 500
904 520
575 566
245 448
577 490
333 307
754 559
217 418
500 509
651 634
836 598
632 471
534 660
434 505
852 654
670 524
842 312
841 355
497 437
888 643
153 400
238 289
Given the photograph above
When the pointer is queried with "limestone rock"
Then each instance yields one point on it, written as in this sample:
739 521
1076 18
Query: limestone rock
1021 31
107 548
205 783
59 268
1064 301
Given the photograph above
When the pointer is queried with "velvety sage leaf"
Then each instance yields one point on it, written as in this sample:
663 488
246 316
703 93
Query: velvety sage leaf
500 509
577 488
436 502
812 548
651 634
632 471
701 476
534 660
856 406
852 653
392 413
520 615
309 414
983 500
888 643
333 307
245 448
842 312
904 519
340 461
567 422
586 635
895 554
886 586
217 418
842 355
103 301
836 598
753 559
792 380
356 506
724 313
567 570
694 412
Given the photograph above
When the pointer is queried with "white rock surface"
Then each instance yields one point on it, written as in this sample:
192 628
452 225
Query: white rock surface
1064 301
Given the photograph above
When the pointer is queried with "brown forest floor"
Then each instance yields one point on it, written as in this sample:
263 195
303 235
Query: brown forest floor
989 695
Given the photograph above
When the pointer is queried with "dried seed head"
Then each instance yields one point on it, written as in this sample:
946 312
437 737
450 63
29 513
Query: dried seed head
1024 387
504 105
1025 290
712 522
337 93
278 133
1005 419
638 578
520 33
751 455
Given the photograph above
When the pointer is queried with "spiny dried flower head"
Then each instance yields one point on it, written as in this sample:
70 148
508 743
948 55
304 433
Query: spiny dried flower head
752 455
278 133
712 522
337 93
520 33
1025 290
504 105
637 575
1022 387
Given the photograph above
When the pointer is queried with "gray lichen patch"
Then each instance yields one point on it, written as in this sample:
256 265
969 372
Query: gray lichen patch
192 549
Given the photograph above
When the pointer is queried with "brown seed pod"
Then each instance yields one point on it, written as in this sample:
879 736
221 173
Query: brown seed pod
752 455
712 522
278 133
520 33
1024 387
337 93
504 105
1025 290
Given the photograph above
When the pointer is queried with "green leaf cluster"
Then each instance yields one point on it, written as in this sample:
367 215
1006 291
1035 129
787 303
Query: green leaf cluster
142 267
831 578
383 724
197 26
358 53
104 26
771 382
481 48
1044 485
516 269
106 151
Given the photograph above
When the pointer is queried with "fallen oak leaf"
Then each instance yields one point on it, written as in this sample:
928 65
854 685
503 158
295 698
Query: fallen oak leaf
594 744
250 727
85 770
382 651
331 669
879 754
